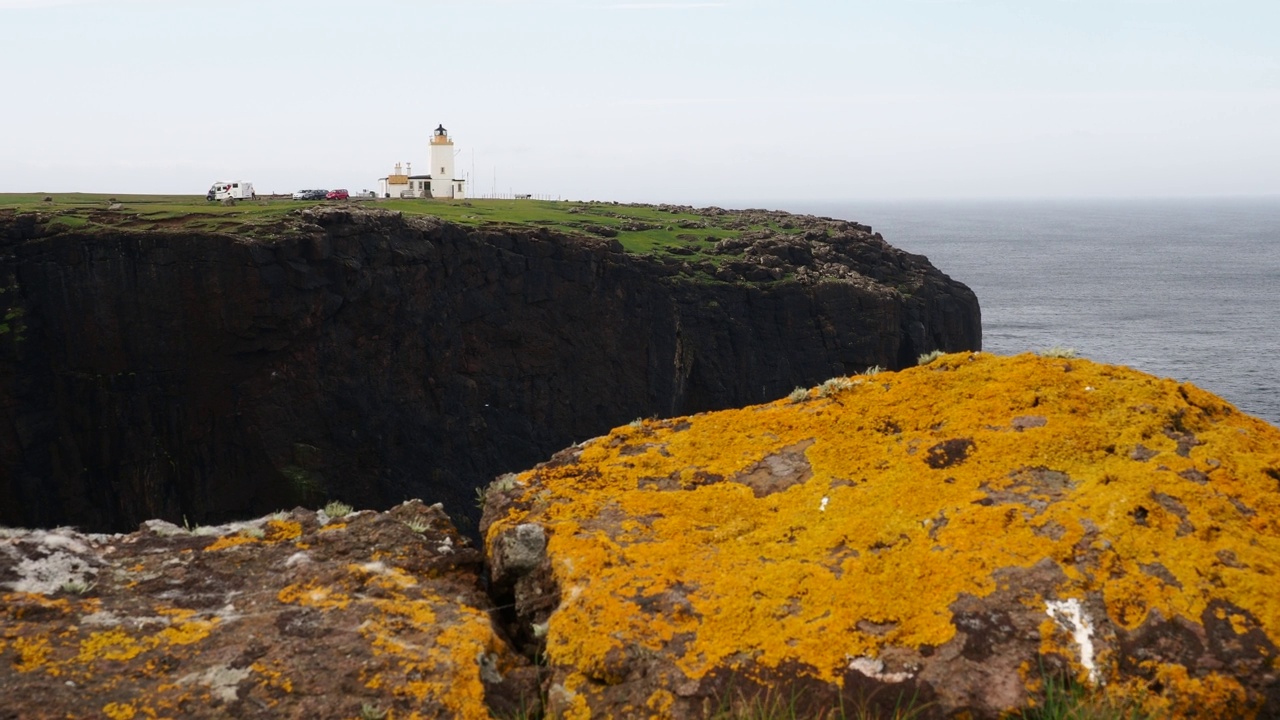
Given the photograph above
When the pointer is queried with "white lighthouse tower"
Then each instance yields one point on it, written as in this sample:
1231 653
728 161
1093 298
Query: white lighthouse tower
444 184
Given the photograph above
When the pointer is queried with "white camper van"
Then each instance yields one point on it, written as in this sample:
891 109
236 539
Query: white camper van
225 190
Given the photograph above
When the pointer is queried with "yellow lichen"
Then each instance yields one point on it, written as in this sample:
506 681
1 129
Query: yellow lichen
312 594
282 530
660 702
273 678
109 645
912 478
228 541
33 653
119 711
188 633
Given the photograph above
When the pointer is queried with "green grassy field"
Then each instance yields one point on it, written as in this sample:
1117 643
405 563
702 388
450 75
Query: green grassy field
642 229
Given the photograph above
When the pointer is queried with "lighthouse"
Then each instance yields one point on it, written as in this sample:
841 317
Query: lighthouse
444 184
438 182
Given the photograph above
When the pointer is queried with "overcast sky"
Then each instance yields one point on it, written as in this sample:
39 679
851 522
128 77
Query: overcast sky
692 102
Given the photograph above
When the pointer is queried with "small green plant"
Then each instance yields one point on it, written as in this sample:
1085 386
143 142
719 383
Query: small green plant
929 357
799 395
873 370
637 423
417 525
256 533
482 494
336 509
1058 351
369 711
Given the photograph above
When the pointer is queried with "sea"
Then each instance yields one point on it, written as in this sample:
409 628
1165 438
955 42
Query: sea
1185 289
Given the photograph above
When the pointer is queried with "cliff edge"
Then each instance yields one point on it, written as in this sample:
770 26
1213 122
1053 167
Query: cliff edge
214 368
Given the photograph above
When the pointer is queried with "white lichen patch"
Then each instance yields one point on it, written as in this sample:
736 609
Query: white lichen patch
298 558
446 547
102 618
874 669
1070 616
163 528
47 562
222 681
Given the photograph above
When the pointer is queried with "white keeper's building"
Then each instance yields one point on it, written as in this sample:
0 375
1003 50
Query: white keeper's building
440 182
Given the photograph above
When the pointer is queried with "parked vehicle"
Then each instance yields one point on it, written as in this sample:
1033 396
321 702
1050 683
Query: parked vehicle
337 195
231 190
310 195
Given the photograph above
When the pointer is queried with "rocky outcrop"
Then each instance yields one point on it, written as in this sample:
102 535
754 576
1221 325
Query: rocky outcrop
943 541
293 615
341 353
947 539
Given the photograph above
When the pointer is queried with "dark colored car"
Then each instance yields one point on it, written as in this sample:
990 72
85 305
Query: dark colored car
337 195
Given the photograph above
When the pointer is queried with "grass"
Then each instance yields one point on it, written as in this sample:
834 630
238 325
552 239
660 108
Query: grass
639 229
1066 700
929 357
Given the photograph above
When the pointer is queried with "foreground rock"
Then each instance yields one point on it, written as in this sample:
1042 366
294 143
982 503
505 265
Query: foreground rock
946 538
294 615
181 372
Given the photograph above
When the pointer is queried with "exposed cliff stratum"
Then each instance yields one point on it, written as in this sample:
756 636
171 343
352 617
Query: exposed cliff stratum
334 352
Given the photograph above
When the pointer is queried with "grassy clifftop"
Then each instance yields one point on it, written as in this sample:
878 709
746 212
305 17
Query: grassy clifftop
662 230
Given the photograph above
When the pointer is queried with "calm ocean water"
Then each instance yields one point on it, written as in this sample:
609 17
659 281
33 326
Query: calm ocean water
1187 289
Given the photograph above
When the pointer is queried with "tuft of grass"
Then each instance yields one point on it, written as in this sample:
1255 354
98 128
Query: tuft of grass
772 707
369 711
834 385
336 509
1058 351
502 483
873 370
798 395
417 525
929 357
1067 700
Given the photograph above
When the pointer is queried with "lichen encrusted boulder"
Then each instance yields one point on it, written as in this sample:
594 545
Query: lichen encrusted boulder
292 615
948 538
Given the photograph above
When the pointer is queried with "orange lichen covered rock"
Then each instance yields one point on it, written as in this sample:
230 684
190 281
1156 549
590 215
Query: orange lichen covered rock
380 615
951 536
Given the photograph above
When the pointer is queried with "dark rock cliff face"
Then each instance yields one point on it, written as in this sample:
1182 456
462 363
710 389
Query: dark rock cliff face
364 356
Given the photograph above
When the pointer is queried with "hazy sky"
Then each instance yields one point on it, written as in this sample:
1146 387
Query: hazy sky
691 102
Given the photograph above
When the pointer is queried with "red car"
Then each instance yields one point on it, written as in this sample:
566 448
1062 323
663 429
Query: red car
337 195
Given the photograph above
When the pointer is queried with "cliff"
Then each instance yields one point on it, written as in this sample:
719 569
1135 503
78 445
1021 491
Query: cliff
197 371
